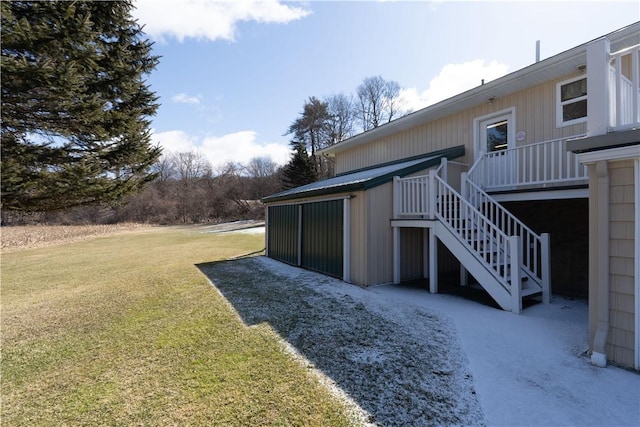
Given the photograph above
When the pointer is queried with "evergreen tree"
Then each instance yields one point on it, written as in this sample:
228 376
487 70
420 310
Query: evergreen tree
300 170
75 106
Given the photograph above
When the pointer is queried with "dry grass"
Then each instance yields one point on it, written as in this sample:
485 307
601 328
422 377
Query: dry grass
126 330
33 236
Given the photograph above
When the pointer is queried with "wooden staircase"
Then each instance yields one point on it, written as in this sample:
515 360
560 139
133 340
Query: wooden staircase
506 257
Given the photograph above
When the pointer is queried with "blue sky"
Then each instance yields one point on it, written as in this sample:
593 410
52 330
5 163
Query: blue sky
235 74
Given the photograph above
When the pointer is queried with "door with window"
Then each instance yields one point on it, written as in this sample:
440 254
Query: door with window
495 136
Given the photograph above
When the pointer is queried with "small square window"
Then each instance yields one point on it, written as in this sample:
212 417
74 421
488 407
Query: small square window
571 101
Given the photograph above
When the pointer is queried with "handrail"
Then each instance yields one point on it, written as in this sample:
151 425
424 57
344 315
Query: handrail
491 245
492 233
532 243
540 164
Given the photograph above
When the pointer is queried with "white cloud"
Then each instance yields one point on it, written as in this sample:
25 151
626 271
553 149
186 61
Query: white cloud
239 147
452 80
209 19
183 98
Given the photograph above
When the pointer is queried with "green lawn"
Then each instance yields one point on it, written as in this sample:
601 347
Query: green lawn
125 330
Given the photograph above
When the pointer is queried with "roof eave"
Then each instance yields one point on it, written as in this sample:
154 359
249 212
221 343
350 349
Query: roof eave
553 67
430 161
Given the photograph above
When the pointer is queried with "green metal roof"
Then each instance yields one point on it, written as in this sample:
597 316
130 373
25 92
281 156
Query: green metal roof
364 179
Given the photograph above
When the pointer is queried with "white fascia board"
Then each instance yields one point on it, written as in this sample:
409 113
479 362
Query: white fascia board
548 69
619 153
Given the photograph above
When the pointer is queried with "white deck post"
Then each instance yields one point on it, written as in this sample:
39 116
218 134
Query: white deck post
396 255
464 191
425 251
433 261
445 169
397 197
545 256
515 255
432 194
598 120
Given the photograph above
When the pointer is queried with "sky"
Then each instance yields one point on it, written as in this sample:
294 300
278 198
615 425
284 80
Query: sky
233 75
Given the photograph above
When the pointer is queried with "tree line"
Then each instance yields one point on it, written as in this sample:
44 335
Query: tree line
187 190
325 122
75 129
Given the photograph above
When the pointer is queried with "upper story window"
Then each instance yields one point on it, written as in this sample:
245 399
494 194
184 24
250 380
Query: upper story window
571 105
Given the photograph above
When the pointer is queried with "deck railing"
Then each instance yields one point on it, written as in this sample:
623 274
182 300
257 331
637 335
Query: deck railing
535 247
543 164
483 225
624 88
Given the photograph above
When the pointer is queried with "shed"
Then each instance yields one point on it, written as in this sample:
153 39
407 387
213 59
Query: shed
342 226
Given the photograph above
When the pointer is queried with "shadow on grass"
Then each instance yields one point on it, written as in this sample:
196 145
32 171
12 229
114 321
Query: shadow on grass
402 366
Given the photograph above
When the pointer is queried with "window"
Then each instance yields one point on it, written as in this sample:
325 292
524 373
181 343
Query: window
571 105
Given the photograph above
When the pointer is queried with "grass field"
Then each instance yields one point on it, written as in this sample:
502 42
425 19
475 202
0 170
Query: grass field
123 329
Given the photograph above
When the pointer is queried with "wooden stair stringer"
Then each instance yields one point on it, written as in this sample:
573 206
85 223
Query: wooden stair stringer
483 274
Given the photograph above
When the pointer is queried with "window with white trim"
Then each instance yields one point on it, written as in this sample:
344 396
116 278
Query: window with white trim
571 101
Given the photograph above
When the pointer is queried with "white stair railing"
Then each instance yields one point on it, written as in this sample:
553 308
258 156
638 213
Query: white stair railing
497 239
490 245
542 164
535 247
429 196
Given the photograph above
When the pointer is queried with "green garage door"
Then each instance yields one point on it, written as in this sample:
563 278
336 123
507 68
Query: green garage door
283 233
322 237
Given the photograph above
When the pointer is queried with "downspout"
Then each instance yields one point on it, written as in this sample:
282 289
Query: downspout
600 257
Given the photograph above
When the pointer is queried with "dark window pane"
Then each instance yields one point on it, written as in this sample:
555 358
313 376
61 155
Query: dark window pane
574 110
573 90
497 136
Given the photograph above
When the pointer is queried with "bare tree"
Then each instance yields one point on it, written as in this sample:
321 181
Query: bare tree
165 167
342 117
261 167
378 101
191 169
191 165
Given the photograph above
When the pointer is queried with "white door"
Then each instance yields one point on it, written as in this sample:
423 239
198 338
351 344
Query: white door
495 136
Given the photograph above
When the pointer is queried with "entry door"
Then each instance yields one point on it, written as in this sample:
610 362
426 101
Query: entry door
495 135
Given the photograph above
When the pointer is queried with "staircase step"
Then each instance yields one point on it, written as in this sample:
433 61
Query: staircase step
527 292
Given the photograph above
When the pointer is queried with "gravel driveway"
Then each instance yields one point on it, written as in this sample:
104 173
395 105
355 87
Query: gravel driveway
399 365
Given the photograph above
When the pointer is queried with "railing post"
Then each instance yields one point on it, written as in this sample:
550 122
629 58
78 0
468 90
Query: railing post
464 192
397 197
396 255
445 169
515 256
545 273
463 186
635 71
432 194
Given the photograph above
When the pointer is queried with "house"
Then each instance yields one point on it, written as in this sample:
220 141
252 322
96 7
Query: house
498 188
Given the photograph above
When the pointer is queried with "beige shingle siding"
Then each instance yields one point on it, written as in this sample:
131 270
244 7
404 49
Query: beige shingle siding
620 346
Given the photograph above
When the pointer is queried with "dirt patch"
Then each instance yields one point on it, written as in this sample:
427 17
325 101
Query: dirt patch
400 365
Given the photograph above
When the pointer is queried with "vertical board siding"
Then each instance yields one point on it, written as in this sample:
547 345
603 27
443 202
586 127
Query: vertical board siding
621 341
535 115
379 211
359 242
322 237
283 233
